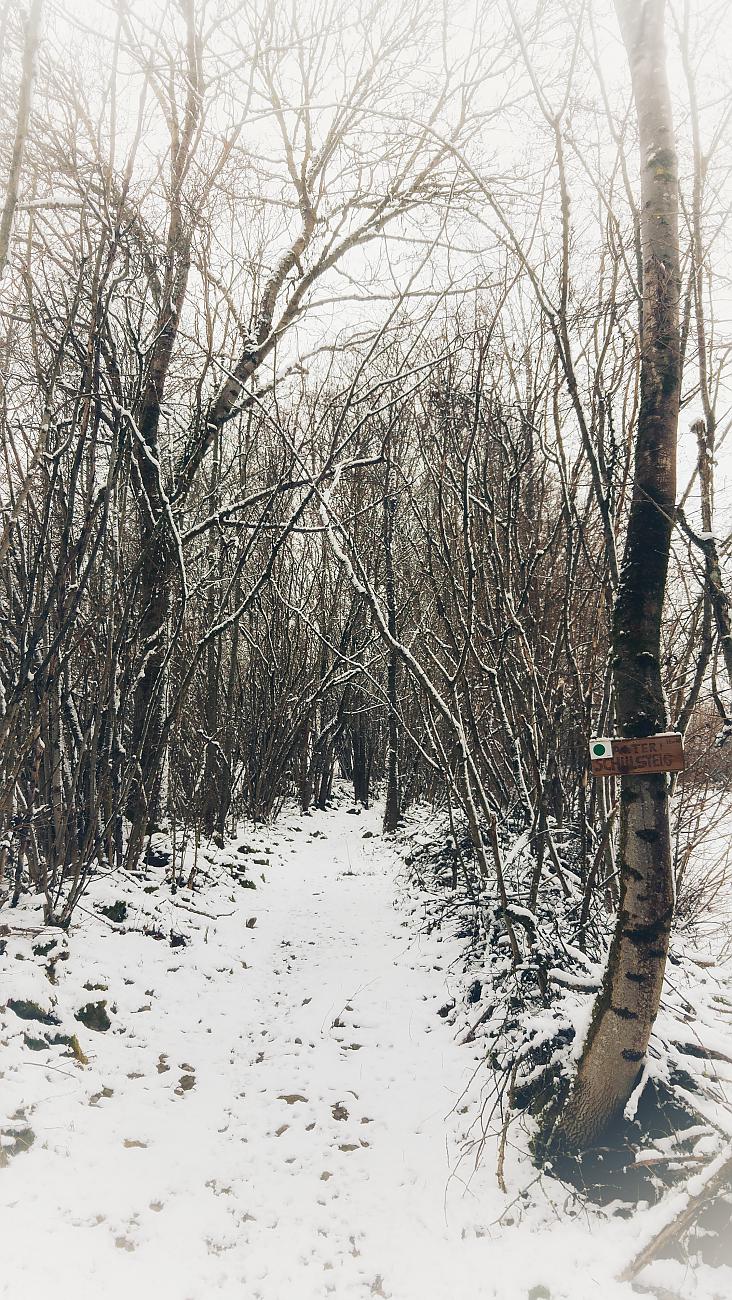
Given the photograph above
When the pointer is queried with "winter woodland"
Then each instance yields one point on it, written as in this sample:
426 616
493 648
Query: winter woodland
365 375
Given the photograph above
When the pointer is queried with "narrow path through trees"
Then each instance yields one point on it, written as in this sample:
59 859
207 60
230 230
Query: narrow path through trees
270 1105
267 1115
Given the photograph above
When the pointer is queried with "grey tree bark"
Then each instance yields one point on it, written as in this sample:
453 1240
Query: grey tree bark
392 809
614 1050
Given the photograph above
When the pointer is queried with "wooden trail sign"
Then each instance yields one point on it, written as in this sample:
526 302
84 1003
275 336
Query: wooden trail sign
622 756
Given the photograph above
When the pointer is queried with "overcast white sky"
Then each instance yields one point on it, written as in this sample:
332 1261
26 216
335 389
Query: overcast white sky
514 140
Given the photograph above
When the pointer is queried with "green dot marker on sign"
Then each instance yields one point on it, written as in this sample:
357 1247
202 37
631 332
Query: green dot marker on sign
598 750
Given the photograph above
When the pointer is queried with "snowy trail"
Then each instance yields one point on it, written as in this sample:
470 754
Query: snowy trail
275 1111
271 1122
353 1142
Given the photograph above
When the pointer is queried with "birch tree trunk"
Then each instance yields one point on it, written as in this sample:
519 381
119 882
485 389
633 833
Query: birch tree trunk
614 1051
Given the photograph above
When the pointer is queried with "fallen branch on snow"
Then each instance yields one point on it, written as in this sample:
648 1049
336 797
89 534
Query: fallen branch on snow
683 1209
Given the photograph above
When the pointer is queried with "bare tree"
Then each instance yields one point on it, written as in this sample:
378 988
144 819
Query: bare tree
31 40
617 1039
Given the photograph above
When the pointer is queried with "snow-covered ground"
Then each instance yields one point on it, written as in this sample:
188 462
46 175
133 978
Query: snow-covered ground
277 1110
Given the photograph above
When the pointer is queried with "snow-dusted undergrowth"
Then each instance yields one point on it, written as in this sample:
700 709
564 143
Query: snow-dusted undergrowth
251 1092
530 1018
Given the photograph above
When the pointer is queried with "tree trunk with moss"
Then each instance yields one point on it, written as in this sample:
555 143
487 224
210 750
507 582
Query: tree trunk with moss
614 1052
